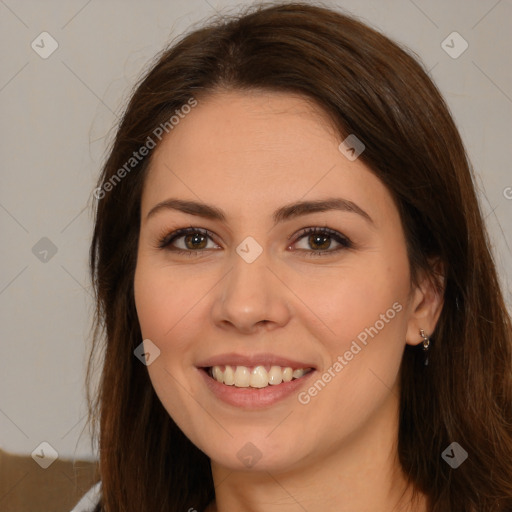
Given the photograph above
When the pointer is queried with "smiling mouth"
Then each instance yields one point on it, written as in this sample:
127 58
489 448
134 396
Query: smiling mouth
255 376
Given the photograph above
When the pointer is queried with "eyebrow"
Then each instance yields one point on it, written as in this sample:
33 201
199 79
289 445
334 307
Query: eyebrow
282 214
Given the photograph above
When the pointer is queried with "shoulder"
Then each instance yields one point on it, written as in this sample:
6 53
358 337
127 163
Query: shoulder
89 500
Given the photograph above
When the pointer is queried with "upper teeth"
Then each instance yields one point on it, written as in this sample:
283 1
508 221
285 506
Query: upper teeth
259 377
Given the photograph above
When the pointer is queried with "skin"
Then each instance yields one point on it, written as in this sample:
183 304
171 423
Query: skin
250 153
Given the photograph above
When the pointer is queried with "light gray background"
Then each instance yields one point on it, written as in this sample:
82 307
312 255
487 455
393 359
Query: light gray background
57 118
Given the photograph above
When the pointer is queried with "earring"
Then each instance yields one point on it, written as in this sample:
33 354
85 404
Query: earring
426 344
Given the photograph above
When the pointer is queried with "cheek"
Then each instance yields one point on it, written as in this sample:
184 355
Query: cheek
355 298
162 299
164 306
364 310
151 303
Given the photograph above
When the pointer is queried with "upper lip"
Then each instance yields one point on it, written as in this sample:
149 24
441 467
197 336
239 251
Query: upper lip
263 359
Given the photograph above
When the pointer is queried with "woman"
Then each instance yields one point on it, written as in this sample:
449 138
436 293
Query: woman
299 303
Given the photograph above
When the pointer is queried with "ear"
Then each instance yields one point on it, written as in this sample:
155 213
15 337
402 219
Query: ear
426 303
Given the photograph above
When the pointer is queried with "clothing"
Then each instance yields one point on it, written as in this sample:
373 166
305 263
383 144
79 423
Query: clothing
89 500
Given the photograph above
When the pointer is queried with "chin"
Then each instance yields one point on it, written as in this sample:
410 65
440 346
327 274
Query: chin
246 452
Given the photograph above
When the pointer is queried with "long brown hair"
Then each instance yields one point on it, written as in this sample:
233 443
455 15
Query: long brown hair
370 87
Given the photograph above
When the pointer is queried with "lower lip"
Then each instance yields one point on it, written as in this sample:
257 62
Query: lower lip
254 398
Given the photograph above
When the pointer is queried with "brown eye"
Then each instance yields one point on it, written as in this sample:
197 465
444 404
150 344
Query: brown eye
195 241
187 240
319 241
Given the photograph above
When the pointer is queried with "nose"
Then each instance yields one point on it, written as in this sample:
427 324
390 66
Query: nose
251 297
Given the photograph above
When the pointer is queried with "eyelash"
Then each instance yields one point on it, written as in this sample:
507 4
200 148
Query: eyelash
166 240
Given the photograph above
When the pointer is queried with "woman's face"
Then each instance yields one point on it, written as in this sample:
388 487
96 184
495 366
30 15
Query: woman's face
251 286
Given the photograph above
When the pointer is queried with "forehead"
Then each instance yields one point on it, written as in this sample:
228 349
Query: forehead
254 151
